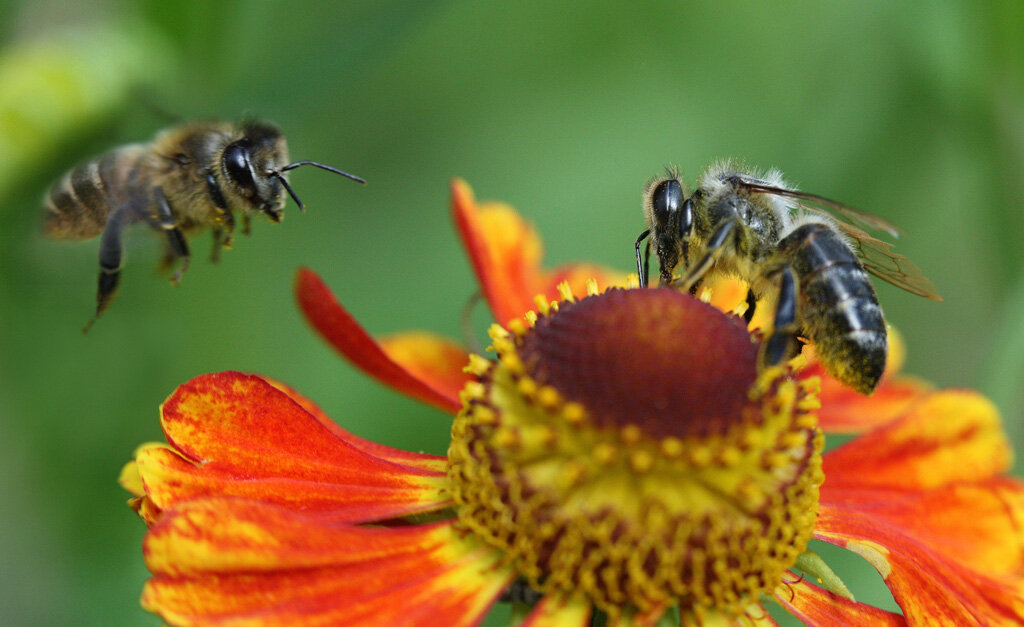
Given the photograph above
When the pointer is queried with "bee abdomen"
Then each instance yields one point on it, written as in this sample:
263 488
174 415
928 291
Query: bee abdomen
78 206
839 309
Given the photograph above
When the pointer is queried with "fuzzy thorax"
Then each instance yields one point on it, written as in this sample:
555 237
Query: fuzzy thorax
624 448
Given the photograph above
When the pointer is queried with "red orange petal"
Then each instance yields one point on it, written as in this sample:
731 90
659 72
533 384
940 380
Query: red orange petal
816 606
220 561
577 276
237 434
944 437
951 556
437 361
434 463
505 252
339 328
844 410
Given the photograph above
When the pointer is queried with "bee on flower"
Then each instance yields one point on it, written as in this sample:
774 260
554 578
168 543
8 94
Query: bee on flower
696 496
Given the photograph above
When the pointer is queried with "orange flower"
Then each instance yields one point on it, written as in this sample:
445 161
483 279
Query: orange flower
621 453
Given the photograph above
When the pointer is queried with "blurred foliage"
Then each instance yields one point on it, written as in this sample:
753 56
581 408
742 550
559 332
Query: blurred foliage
912 111
54 85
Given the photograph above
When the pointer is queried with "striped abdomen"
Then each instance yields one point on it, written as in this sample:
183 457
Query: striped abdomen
78 206
839 310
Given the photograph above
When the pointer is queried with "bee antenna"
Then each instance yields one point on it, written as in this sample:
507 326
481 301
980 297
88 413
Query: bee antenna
288 187
292 166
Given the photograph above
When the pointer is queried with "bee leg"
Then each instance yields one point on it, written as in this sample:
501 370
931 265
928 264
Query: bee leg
647 262
643 267
783 343
748 315
246 224
218 243
110 265
716 246
178 245
229 228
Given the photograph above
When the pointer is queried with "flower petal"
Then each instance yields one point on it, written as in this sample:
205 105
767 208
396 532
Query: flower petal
953 555
553 611
131 480
236 434
505 252
219 561
816 606
438 362
944 437
434 463
339 328
577 276
844 410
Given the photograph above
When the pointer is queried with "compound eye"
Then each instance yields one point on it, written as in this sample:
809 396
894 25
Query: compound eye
236 164
667 199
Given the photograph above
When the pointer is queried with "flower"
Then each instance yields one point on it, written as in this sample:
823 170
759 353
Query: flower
620 453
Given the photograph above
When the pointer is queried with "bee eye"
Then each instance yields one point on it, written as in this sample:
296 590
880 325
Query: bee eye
667 199
236 164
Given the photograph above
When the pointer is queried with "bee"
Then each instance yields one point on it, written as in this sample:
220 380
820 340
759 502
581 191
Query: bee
791 252
190 177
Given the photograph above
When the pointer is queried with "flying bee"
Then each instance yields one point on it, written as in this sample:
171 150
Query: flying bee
811 265
190 177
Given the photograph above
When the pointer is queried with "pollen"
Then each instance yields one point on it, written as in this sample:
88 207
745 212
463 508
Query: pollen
624 447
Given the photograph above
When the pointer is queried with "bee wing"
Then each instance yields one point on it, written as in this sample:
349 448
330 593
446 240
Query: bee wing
881 260
877 256
859 218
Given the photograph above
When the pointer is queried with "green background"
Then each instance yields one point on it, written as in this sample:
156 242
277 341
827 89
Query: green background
915 112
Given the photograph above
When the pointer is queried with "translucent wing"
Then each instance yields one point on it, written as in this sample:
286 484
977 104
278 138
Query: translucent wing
881 260
877 256
859 218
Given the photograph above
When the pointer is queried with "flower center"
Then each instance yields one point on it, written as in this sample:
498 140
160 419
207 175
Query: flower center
624 447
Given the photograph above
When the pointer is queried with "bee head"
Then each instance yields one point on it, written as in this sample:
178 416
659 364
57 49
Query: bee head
252 168
666 201
669 217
